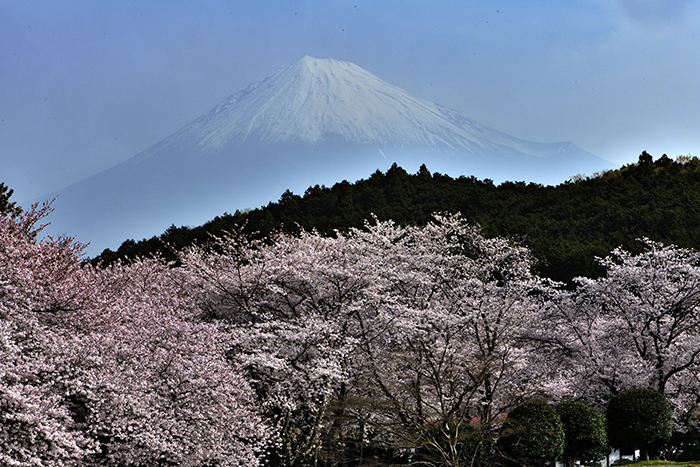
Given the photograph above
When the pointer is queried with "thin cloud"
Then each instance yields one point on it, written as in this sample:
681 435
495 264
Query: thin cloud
657 13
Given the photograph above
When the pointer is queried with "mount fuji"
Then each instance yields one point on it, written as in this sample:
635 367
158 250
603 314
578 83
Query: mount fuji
315 121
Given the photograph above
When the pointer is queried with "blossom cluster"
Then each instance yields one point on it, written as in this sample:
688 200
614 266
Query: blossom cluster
109 366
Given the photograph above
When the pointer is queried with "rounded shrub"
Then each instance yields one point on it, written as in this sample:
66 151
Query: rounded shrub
532 435
585 435
639 418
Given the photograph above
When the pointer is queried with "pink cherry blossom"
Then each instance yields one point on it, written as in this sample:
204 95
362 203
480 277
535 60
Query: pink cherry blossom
111 365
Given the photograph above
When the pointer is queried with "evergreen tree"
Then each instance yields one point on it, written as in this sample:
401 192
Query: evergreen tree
532 435
7 207
639 418
585 436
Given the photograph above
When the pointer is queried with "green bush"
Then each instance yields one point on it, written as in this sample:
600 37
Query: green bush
687 446
585 436
639 419
532 435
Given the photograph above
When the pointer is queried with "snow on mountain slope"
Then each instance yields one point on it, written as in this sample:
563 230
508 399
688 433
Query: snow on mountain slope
312 100
315 121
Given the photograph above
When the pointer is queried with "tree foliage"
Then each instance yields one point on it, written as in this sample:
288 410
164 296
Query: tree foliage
639 418
585 435
565 226
532 435
7 207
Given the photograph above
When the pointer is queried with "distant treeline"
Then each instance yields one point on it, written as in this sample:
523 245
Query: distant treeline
565 226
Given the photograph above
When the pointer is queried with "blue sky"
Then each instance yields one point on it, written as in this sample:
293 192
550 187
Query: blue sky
85 85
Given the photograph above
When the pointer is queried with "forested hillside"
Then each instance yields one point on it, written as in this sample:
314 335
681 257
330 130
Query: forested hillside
565 226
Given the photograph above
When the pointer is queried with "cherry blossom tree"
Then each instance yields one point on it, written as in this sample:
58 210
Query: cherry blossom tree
111 366
157 389
453 315
287 306
637 326
35 277
374 335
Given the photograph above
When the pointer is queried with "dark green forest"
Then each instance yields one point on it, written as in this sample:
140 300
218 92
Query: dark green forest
565 226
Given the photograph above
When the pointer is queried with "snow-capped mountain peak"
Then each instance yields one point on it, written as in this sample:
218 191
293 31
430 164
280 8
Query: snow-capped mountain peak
313 100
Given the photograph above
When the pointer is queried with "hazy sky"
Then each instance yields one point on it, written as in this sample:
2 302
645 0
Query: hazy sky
87 84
